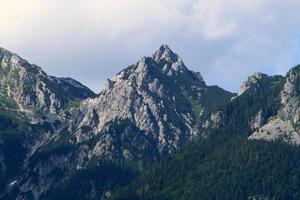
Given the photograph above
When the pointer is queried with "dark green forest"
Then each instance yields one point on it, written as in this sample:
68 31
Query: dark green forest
222 168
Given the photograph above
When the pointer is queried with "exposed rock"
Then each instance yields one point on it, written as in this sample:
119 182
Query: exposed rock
252 81
164 53
277 129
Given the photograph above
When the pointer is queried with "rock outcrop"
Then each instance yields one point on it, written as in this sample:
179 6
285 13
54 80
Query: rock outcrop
252 81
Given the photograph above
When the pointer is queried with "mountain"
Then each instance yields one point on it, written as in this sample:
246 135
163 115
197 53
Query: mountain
147 111
155 131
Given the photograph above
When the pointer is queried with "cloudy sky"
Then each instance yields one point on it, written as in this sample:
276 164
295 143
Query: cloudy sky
91 40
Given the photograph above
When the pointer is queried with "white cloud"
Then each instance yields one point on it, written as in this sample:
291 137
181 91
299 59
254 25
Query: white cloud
93 39
56 20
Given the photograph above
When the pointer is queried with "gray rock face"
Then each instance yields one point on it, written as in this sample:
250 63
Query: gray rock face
157 96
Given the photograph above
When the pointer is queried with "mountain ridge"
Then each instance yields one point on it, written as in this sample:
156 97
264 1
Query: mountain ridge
146 112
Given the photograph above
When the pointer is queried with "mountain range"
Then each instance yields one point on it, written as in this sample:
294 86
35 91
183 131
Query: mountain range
155 131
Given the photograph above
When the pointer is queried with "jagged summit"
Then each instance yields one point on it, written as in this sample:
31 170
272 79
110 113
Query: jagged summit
159 96
172 64
163 63
165 53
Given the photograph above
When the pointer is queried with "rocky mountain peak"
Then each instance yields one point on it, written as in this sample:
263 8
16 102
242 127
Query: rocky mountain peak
252 81
159 96
170 63
164 64
28 86
165 53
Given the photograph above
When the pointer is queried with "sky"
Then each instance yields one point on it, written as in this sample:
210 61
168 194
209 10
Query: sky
91 40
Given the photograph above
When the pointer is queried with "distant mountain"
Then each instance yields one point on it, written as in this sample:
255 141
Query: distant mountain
59 140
